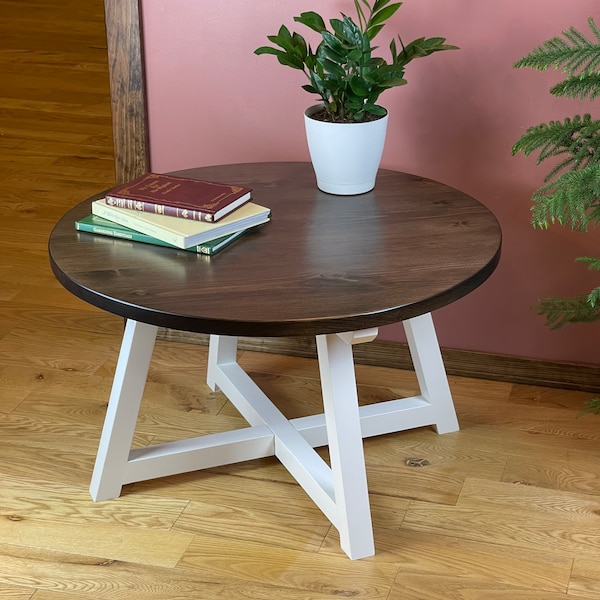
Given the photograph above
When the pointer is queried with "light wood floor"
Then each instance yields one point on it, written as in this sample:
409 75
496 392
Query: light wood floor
508 508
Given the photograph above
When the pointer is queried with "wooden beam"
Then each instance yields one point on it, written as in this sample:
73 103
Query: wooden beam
127 88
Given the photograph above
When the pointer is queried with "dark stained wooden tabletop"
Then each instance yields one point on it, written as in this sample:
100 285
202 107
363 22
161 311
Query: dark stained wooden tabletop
323 264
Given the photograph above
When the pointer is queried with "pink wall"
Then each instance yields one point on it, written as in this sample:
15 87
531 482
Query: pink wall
211 101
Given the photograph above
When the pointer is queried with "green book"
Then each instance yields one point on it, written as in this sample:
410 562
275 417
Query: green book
100 226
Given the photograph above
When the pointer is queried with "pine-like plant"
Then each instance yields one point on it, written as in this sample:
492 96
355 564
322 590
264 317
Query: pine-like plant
571 191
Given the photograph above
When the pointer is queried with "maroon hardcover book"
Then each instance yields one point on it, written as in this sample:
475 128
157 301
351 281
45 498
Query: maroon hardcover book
174 196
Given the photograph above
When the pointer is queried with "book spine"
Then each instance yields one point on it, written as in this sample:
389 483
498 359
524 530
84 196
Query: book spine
211 249
131 222
159 209
136 236
133 236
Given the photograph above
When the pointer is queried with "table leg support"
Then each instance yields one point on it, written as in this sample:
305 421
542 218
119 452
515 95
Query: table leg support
123 408
222 350
342 419
431 373
340 490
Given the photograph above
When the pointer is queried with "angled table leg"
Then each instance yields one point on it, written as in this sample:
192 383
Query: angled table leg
342 422
431 373
123 408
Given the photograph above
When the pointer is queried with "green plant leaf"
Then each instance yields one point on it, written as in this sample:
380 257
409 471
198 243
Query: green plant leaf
285 58
299 45
384 14
374 109
359 86
310 89
284 37
334 43
373 31
355 56
326 51
379 4
313 20
332 67
267 50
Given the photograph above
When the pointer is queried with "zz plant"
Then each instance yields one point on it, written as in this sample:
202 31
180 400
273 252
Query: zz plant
570 195
342 70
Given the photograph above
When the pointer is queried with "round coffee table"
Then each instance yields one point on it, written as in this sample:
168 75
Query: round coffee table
336 267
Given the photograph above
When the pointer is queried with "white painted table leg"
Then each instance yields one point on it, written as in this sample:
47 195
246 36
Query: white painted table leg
431 374
123 408
342 418
222 349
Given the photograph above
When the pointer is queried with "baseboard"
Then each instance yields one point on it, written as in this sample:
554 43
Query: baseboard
462 363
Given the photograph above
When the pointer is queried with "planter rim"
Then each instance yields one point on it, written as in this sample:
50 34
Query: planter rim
316 107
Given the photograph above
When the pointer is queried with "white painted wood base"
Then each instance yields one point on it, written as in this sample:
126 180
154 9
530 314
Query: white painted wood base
340 491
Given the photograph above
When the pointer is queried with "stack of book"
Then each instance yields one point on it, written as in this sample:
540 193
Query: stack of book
168 210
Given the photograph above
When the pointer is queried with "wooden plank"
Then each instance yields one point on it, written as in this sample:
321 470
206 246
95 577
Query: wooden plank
128 88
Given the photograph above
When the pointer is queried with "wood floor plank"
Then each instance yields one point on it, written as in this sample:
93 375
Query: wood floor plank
42 500
513 443
73 319
576 471
279 567
46 464
141 545
446 462
438 558
268 513
585 579
61 574
13 592
436 587
529 500
511 520
56 576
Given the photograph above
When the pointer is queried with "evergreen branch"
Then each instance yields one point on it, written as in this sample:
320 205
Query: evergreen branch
560 311
578 138
568 162
593 263
594 28
592 406
574 53
572 198
593 298
584 87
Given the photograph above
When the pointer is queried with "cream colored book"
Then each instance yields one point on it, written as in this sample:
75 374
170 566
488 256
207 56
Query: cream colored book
180 232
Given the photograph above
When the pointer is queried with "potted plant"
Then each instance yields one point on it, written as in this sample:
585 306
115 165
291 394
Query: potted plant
570 195
348 79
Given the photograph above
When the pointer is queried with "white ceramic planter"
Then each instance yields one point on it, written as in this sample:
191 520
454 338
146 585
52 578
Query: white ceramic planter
345 156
